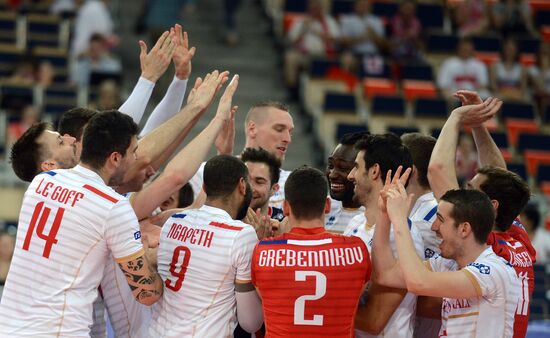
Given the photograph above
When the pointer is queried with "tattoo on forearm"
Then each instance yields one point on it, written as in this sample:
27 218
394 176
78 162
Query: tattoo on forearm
143 281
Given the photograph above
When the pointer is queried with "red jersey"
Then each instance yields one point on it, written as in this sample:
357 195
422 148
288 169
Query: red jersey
515 246
310 282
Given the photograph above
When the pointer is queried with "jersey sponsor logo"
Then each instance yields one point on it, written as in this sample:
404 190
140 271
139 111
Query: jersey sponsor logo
331 220
318 258
137 235
428 253
483 269
454 304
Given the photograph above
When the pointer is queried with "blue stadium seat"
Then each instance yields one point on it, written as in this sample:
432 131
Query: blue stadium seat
441 43
430 15
384 73
527 44
15 96
339 102
501 139
534 142
542 17
9 57
8 23
386 9
341 7
518 168
393 105
59 98
517 110
295 6
418 72
402 130
426 107
543 174
546 117
487 43
43 30
346 128
320 67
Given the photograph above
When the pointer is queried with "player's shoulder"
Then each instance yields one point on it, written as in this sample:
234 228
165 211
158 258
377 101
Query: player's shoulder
489 263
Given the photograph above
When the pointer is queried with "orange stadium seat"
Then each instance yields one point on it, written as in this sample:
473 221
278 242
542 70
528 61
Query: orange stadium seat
414 89
527 59
533 158
545 189
539 5
517 126
378 86
488 58
289 19
545 31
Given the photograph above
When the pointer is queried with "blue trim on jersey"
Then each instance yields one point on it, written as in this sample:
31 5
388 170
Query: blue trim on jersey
410 223
275 241
51 173
502 242
179 215
430 214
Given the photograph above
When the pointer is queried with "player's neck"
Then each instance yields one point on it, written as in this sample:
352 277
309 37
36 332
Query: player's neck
470 253
371 207
104 175
417 190
308 224
221 204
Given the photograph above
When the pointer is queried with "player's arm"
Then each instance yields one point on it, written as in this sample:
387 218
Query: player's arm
249 306
429 307
380 305
418 275
182 167
487 150
143 279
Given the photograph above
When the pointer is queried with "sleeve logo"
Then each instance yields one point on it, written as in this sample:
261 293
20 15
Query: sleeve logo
483 269
137 235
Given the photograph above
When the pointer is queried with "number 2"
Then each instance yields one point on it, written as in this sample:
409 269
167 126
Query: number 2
300 303
44 214
183 268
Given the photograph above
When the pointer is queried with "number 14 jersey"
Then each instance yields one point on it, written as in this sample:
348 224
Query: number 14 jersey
310 282
201 253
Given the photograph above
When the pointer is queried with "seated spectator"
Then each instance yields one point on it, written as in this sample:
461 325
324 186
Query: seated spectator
362 35
513 17
406 30
29 115
314 35
539 74
463 71
92 16
108 96
540 236
96 59
508 77
470 17
466 160
30 72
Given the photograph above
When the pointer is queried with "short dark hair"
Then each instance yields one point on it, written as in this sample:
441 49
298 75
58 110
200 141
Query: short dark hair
420 146
74 120
531 212
474 207
350 139
222 174
26 154
261 155
386 150
509 189
185 196
306 191
107 132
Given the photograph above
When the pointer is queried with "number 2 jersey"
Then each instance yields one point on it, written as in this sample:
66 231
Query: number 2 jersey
201 254
310 282
70 224
515 247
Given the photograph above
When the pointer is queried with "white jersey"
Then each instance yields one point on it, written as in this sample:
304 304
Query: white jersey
339 217
70 223
276 200
422 215
401 323
491 314
201 254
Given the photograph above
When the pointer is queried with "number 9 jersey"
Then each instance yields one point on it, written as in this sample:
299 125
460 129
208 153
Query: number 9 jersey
310 282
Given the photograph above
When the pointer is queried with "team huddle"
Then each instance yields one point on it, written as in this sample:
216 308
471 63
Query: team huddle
384 243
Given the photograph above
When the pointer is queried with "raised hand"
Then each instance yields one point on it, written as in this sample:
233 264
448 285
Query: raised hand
224 107
468 97
392 183
182 54
155 63
398 203
206 90
226 138
262 224
475 115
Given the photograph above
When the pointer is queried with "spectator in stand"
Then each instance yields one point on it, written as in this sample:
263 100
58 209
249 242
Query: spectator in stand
30 72
540 236
406 29
314 35
93 16
29 115
508 77
108 96
466 159
96 59
7 245
463 72
539 74
470 17
513 17
362 36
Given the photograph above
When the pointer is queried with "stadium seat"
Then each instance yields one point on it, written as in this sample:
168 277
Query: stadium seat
439 42
528 44
534 158
430 108
545 32
340 7
546 115
413 89
346 128
430 15
8 27
379 86
9 57
16 96
501 140
340 103
58 99
57 57
542 17
296 6
487 43
539 309
518 168
320 67
543 174
517 110
402 130
384 9
487 58
46 30
533 142
418 72
516 126
527 59
393 105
